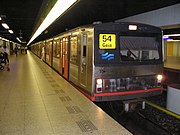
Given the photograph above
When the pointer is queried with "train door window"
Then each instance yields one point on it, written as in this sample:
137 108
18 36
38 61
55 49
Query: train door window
73 50
56 54
84 51
63 53
57 48
61 48
54 48
47 50
66 48
84 41
40 49
61 56
50 52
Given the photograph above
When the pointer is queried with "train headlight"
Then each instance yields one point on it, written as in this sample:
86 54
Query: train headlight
99 86
99 81
159 78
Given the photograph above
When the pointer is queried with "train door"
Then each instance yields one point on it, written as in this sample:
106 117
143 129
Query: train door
64 59
83 61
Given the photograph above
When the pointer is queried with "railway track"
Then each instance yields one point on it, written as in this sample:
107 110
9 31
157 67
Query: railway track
163 118
140 122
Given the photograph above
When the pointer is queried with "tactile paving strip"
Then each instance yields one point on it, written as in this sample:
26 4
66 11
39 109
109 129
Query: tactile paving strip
54 85
86 125
64 99
73 109
51 81
59 91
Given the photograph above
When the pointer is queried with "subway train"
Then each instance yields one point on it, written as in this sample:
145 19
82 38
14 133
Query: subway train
108 61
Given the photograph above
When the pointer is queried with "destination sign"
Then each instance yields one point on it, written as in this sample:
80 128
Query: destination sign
107 41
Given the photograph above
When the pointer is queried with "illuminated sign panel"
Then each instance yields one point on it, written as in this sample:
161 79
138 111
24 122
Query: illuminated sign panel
107 41
107 56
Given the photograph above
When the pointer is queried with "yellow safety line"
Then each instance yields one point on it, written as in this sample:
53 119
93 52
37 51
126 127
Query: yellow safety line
164 110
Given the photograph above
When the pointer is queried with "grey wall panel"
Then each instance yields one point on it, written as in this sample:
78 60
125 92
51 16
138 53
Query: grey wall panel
162 17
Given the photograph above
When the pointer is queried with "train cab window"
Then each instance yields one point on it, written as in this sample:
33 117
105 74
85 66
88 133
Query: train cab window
133 48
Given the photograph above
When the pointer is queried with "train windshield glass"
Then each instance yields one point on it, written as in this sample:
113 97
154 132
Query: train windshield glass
136 48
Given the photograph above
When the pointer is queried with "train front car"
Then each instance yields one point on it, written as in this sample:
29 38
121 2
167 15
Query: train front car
128 61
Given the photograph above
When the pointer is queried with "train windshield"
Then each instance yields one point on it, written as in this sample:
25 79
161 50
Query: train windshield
136 48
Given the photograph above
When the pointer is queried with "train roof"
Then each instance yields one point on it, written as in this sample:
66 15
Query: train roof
108 26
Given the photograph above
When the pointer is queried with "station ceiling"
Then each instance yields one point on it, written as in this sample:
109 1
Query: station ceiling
22 15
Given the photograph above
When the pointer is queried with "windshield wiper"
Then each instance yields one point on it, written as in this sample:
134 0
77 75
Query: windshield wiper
132 53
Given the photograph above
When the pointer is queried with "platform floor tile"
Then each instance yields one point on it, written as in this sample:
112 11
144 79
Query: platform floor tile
35 100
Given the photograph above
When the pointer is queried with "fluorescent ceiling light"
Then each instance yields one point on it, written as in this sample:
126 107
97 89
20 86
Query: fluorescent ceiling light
59 8
174 40
18 39
173 35
10 31
5 25
5 39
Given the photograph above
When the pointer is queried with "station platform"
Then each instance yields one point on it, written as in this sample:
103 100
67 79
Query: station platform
35 100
